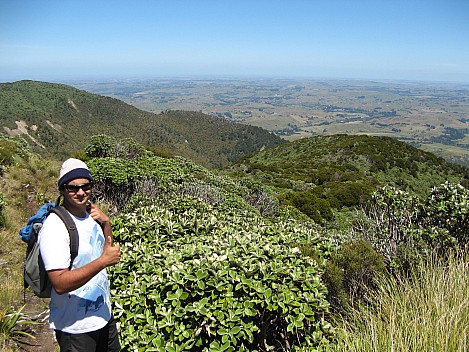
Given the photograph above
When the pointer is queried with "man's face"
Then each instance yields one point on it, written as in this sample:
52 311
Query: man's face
77 192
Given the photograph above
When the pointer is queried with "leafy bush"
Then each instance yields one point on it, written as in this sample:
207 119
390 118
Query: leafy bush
117 179
196 277
129 149
12 148
100 146
386 223
347 194
447 208
351 273
318 209
402 227
103 146
8 150
132 169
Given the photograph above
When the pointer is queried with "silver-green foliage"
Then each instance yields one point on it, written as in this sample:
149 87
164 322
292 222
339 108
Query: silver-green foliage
402 226
118 180
195 277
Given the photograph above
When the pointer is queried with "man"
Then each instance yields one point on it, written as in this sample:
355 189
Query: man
80 309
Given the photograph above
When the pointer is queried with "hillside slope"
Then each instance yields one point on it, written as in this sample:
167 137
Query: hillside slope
58 119
319 173
340 157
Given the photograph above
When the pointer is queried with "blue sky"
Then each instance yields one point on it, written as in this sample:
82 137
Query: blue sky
369 39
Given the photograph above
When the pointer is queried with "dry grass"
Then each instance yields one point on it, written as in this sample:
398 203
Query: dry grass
426 312
11 273
25 187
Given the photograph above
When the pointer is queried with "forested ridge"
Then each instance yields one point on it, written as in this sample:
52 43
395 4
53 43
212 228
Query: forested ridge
326 173
57 119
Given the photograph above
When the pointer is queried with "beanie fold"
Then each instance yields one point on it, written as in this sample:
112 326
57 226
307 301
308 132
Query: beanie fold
73 169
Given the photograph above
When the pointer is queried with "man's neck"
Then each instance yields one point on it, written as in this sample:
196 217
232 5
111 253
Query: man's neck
77 210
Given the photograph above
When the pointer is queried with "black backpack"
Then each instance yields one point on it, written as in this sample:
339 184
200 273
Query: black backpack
35 275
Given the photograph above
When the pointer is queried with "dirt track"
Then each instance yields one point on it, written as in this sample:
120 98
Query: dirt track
37 308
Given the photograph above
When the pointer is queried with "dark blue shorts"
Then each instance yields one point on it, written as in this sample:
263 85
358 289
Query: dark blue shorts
102 340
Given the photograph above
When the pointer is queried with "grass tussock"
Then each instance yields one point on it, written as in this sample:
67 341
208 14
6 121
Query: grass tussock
428 311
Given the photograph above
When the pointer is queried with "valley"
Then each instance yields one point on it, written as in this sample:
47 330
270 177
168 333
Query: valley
431 116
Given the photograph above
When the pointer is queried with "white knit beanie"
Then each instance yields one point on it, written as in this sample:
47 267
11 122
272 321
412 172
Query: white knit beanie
72 169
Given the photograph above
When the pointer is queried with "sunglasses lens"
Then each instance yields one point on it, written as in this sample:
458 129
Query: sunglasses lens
75 188
86 187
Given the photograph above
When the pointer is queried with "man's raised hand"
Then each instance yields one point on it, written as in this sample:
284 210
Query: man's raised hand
111 253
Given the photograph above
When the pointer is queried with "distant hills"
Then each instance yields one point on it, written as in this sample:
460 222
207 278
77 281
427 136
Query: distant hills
57 120
431 116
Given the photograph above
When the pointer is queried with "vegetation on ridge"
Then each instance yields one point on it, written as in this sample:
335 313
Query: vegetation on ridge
218 263
322 174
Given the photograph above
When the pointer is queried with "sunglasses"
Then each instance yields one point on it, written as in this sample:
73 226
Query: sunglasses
75 188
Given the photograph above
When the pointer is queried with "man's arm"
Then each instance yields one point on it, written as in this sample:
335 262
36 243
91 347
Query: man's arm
64 280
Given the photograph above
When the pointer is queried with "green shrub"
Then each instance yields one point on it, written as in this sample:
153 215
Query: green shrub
193 277
136 170
128 149
447 208
8 150
117 179
12 149
318 209
100 146
351 273
348 194
403 227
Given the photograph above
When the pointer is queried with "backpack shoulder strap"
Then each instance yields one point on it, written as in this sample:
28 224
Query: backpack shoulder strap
72 230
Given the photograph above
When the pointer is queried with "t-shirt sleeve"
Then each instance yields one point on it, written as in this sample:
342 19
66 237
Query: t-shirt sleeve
54 243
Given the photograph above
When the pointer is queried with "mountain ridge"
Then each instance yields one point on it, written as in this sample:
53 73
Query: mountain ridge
59 119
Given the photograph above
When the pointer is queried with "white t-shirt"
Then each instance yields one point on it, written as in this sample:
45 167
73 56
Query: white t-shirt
87 308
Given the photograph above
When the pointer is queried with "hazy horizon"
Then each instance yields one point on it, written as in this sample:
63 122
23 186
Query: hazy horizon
58 41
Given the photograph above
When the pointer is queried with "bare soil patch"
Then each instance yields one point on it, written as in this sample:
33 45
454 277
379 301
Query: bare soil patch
37 309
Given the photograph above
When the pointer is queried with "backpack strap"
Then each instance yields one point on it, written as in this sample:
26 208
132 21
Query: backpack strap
63 214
